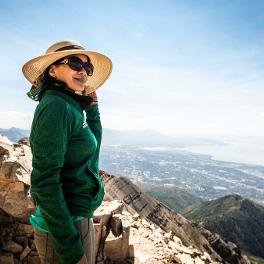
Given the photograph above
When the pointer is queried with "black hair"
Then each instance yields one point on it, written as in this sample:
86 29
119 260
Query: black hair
44 82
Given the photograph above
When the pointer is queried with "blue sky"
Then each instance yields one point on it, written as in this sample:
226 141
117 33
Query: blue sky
180 67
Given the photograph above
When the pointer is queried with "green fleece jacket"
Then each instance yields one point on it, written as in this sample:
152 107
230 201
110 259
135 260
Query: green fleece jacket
65 181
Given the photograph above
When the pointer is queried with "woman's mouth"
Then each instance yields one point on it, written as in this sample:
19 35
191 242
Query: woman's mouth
80 80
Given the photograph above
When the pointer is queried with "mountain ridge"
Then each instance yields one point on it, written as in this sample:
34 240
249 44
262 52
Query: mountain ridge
229 215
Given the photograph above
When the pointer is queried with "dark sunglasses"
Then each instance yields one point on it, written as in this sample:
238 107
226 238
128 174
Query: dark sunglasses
77 64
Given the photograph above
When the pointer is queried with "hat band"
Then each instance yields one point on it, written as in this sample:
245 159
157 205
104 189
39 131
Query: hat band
71 47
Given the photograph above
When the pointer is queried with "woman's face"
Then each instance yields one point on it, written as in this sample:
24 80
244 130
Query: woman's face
75 80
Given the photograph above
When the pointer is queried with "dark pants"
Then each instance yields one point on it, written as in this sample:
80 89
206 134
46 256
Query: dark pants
48 255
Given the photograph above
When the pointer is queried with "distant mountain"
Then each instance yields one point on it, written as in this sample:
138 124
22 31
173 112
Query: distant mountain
234 218
152 138
176 198
142 138
14 134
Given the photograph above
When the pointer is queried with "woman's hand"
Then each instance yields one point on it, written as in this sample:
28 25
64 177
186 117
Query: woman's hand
83 260
92 95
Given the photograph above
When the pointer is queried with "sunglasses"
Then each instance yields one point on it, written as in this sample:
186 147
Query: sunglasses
77 64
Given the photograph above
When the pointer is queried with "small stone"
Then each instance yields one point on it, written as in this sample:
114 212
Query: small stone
186 258
145 223
152 227
136 217
195 253
25 252
168 235
13 247
177 240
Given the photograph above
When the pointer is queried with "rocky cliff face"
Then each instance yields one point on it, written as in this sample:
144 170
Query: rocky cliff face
130 226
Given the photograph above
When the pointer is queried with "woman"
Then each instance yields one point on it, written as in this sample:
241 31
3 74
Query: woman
65 141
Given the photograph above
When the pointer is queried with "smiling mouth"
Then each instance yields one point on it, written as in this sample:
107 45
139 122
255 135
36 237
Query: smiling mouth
80 80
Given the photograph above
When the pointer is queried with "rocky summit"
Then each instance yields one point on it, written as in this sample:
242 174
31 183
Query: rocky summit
130 226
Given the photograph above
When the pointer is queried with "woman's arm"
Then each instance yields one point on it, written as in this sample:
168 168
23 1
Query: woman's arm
50 131
94 122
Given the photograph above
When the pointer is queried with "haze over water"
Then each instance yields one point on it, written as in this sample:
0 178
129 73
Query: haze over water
236 151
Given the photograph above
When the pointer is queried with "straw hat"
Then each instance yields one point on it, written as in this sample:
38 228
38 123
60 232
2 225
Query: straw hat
34 68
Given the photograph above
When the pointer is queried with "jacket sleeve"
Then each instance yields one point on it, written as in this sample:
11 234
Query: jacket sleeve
94 122
49 141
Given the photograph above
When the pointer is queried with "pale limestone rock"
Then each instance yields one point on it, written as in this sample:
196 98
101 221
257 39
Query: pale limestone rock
106 210
167 237
117 248
141 256
174 246
15 169
186 258
187 250
6 146
197 260
177 240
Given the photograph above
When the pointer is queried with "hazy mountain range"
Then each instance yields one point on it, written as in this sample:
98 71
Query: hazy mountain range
14 134
144 138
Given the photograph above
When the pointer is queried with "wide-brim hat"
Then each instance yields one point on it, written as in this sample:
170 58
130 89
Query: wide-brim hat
34 68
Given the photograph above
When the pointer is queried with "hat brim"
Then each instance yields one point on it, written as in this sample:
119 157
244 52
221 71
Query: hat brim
102 66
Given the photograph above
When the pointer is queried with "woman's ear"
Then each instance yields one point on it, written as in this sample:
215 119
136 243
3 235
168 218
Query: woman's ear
52 71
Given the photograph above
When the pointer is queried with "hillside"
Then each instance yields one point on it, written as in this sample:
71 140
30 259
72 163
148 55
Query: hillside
234 218
174 197
191 233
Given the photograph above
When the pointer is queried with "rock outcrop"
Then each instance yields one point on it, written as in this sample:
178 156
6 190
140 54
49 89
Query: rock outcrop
130 226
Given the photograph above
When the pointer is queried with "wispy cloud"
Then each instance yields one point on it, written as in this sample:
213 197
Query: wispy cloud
183 100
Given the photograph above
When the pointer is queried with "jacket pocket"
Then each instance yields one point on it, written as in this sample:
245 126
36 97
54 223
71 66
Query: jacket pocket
92 178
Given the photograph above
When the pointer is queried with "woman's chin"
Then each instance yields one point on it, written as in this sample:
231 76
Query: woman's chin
77 88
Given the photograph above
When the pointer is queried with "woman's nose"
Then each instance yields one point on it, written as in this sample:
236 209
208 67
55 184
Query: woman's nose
83 71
